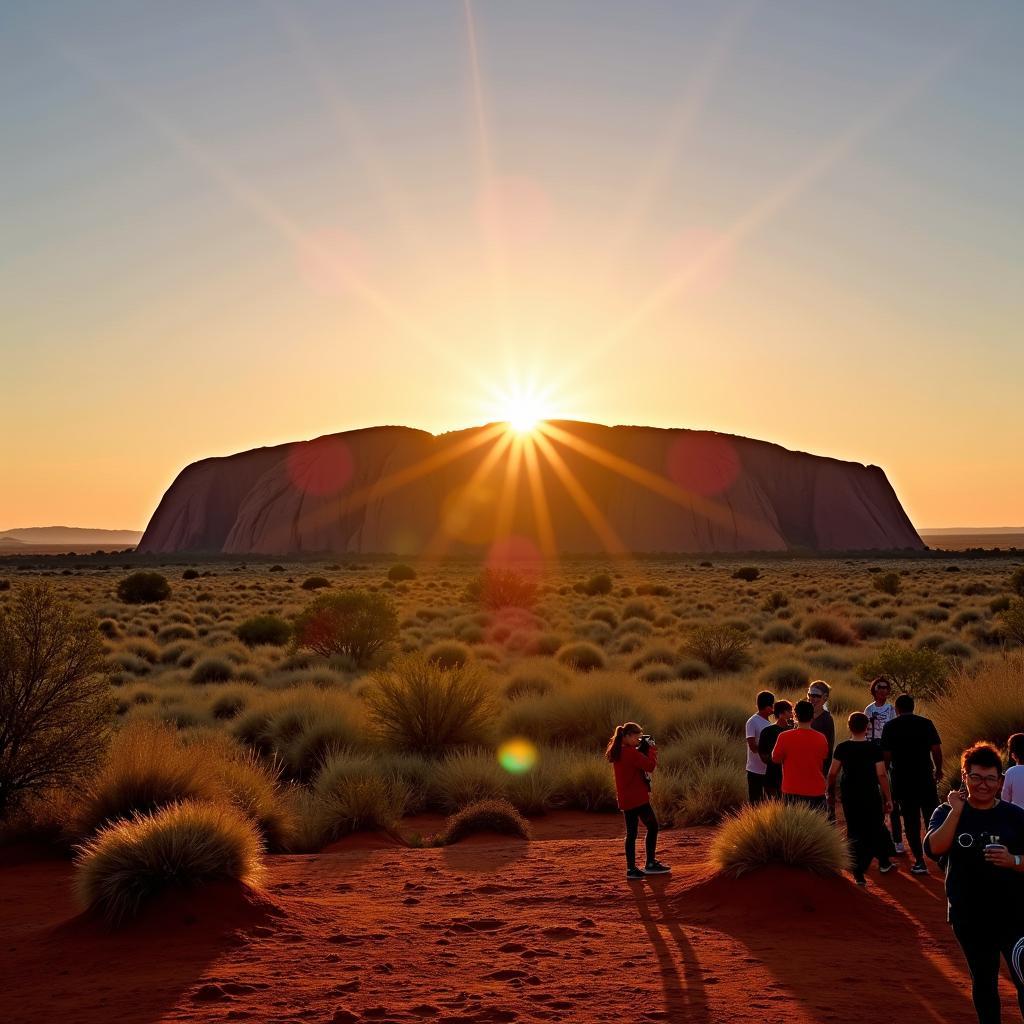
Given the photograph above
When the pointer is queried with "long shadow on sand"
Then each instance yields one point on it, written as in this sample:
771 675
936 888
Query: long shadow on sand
844 954
78 969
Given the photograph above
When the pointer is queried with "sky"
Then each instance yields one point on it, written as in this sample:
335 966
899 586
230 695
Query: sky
231 225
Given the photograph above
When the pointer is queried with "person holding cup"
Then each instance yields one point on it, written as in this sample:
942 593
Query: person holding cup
979 841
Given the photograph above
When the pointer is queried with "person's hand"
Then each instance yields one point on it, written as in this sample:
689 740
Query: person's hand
956 799
1000 856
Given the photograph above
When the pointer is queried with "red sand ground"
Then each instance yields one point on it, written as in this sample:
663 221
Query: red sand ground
491 930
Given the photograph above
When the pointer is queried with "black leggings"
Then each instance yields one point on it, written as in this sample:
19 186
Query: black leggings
982 946
633 818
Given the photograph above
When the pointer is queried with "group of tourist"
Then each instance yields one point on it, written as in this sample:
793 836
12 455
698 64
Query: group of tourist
886 775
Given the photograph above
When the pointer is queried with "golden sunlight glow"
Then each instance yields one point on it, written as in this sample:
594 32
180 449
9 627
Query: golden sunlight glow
523 408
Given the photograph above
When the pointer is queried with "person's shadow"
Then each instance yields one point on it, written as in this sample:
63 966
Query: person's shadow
682 979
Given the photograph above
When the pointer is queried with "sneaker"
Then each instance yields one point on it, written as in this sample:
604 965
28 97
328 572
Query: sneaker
634 875
860 879
900 848
655 867
919 868
887 867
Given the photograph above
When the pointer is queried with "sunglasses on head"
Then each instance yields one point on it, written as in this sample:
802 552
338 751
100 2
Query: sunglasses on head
814 693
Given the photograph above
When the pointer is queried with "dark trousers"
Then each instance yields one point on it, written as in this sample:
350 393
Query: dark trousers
633 818
819 803
755 788
915 806
983 944
866 832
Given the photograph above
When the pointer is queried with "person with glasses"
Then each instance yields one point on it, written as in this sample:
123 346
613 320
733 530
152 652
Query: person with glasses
818 693
880 713
913 750
979 841
801 752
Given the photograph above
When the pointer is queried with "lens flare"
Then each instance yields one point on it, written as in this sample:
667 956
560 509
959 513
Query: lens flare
517 755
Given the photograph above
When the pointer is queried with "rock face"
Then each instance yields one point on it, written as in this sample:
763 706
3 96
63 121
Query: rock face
571 488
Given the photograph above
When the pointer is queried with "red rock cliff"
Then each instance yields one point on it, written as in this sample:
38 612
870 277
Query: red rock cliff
577 487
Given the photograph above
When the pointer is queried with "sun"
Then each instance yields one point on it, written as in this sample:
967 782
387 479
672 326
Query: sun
523 414
523 406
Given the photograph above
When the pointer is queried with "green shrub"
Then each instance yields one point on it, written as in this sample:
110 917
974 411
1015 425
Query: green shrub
315 583
776 833
399 573
144 588
502 588
599 583
56 709
887 583
748 573
448 654
130 862
357 623
264 629
922 673
581 657
483 816
722 648
419 706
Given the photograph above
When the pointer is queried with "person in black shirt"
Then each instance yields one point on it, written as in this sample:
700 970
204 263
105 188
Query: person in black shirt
783 713
912 748
979 840
864 788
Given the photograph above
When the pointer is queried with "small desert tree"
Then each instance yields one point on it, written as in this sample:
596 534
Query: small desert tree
354 622
497 588
55 706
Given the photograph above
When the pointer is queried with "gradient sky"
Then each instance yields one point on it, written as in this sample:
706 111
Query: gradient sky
226 225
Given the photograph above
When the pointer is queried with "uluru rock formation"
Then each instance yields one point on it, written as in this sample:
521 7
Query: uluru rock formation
568 488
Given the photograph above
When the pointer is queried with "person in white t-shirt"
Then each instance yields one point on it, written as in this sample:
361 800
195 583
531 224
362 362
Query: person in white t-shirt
1013 780
880 712
756 724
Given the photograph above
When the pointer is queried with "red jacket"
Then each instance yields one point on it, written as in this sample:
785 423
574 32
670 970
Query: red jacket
630 788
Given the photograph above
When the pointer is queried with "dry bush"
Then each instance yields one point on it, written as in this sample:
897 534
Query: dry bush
887 583
356 623
448 654
419 706
599 583
583 782
55 707
349 796
785 675
987 704
464 777
581 657
722 648
583 712
705 744
707 791
1011 622
483 816
131 861
830 630
502 588
776 833
212 670
400 573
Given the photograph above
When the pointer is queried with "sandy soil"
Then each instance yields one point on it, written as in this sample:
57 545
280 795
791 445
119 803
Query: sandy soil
491 930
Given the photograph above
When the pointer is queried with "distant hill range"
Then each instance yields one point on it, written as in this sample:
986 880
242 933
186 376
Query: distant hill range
74 536
572 488
960 538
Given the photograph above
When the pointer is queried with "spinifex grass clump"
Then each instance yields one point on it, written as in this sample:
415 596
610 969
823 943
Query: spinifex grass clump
131 861
723 648
502 588
777 833
419 706
484 816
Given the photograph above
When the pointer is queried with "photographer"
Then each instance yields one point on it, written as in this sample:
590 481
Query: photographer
634 756
979 840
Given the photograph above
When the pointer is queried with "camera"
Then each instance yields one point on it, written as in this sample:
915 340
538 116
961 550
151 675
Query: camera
645 744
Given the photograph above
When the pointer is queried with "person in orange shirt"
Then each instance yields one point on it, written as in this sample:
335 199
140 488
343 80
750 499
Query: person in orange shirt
801 752
634 756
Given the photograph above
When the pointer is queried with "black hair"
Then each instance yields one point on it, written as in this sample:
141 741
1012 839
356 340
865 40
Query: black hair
857 722
984 755
1015 745
781 707
804 711
880 679
904 702
765 699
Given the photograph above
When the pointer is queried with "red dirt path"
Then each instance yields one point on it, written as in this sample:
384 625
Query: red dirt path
492 929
